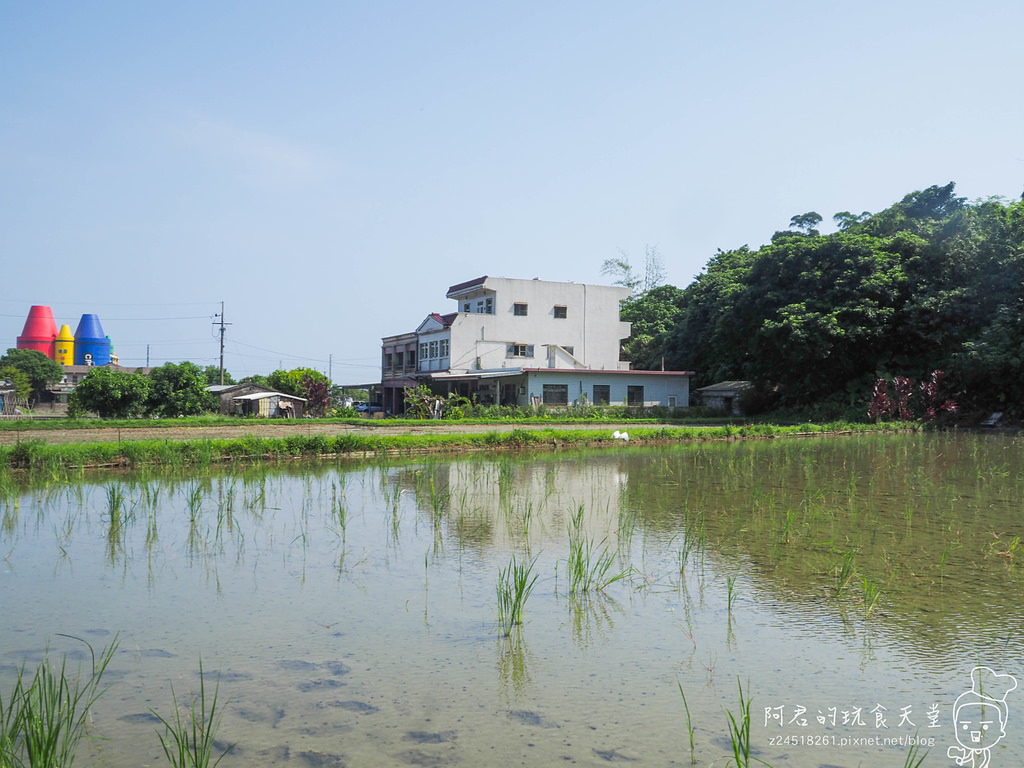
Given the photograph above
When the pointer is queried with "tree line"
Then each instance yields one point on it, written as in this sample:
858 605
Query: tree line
932 283
168 391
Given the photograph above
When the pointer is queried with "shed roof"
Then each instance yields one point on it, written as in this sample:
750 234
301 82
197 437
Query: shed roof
264 395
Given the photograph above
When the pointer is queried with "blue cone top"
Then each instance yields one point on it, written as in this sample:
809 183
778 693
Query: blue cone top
92 342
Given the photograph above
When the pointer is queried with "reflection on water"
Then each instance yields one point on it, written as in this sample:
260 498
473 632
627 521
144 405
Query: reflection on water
850 585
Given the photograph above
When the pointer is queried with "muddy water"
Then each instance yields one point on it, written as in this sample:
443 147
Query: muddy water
349 611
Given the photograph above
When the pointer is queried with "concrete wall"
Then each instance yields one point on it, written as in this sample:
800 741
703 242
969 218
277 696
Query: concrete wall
659 388
591 326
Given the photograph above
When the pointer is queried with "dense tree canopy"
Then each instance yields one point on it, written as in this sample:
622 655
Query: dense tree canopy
653 315
179 389
111 394
932 282
40 370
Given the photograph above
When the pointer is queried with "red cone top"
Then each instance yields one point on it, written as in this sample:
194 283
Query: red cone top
40 331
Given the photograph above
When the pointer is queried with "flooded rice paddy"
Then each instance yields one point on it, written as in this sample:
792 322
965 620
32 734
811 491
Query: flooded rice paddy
351 611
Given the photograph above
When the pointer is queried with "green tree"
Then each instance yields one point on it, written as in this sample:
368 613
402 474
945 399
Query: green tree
844 219
212 374
806 222
932 282
291 382
256 378
179 390
22 384
654 315
41 370
112 394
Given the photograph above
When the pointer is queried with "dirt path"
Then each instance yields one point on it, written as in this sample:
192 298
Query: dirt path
277 429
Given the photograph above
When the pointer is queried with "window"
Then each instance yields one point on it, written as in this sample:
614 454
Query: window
433 350
465 307
556 394
519 310
634 395
387 361
444 348
399 359
490 306
561 312
423 351
602 394
412 357
519 350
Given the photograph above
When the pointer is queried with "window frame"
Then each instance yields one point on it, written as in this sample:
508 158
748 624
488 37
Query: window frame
519 350
555 395
631 393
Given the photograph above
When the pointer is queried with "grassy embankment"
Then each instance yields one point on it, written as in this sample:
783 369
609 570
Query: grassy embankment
37 455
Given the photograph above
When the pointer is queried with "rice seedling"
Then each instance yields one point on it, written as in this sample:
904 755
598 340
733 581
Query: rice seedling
914 757
590 568
116 503
682 557
844 571
42 724
731 592
515 583
190 741
119 515
689 724
739 732
194 502
869 595
11 714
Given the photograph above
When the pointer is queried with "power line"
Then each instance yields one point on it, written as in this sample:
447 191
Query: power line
136 319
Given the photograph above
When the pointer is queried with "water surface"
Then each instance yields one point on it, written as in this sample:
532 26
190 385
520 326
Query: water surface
349 610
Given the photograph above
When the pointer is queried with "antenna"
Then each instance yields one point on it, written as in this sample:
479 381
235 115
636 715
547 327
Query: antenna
222 329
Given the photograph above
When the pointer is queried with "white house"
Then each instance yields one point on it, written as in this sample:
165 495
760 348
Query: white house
521 342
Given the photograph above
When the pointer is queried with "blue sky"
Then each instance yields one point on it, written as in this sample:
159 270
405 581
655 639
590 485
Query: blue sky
328 169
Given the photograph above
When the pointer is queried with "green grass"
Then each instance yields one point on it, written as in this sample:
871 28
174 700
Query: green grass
58 460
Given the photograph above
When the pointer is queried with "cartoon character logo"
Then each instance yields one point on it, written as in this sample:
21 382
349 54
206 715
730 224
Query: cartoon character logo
980 717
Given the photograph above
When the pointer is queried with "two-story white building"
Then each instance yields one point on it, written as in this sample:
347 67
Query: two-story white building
522 342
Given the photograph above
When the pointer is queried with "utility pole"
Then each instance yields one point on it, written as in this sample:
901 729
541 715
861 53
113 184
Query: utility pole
330 368
222 329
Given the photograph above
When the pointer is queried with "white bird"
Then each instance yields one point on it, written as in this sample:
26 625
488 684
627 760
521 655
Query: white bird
616 435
